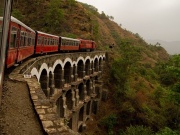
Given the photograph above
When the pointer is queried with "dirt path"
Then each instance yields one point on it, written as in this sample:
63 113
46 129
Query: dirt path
17 116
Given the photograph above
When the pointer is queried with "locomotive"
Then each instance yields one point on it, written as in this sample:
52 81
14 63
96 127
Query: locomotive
24 42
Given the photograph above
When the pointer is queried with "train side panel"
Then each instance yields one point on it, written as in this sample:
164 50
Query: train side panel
46 43
20 42
27 43
68 44
87 45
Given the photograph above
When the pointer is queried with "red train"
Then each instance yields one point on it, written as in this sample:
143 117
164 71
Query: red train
24 42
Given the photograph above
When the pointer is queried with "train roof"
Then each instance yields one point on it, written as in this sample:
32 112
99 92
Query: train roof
70 39
13 19
85 39
40 32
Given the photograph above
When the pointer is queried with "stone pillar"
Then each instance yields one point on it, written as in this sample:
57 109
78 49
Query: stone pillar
101 65
73 98
92 67
77 96
75 121
71 75
85 91
44 81
97 66
98 90
83 71
62 81
64 106
75 73
93 86
51 84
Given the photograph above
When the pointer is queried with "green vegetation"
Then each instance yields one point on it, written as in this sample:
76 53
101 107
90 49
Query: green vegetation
56 13
143 82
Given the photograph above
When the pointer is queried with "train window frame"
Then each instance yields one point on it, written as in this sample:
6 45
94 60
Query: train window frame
45 41
42 40
22 39
13 29
26 38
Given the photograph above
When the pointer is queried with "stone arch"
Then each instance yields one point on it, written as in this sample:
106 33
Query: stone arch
58 76
87 67
80 58
69 101
88 108
80 128
94 107
67 60
80 69
57 62
44 82
96 65
67 72
81 114
81 91
100 64
88 88
60 107
87 58
70 123
34 72
43 67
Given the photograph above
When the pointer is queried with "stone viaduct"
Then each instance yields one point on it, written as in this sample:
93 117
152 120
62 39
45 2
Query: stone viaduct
65 88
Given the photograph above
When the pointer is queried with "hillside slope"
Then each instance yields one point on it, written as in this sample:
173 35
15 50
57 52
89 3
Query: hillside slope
135 94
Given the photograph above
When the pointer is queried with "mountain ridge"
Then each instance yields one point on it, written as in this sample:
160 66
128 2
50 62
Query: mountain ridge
172 47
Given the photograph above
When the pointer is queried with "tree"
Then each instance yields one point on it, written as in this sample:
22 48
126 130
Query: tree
54 16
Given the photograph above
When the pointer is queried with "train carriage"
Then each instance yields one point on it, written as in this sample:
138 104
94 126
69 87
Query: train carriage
46 43
23 42
69 44
87 45
20 44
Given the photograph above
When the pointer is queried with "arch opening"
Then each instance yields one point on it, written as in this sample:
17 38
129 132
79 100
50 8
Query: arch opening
69 101
44 82
80 69
58 76
67 72
60 108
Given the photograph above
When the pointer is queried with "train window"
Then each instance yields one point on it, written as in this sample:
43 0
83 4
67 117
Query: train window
62 42
29 41
42 40
22 38
45 41
32 39
39 40
26 39
52 41
13 37
48 41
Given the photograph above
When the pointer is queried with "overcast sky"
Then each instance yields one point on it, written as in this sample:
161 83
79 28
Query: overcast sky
151 19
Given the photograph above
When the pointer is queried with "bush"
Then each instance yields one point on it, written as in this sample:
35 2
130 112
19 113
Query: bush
138 130
167 131
109 122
